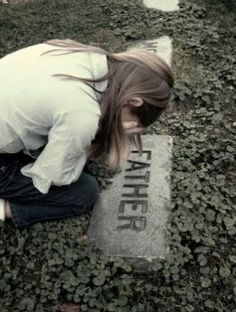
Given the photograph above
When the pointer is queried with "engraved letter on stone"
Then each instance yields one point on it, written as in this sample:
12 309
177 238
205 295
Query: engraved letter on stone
134 205
134 223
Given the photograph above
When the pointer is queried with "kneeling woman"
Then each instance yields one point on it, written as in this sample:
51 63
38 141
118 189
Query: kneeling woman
61 103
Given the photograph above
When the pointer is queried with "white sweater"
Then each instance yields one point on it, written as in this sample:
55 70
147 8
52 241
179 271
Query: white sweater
39 110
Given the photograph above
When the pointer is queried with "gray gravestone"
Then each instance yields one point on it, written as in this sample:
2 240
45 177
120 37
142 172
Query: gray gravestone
130 217
161 46
163 5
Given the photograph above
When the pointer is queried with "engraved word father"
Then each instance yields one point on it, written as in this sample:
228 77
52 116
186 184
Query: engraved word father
135 193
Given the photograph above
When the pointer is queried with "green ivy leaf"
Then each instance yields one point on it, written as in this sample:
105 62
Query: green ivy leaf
229 222
202 260
99 280
27 304
230 149
210 215
209 241
232 259
224 271
210 304
234 290
205 282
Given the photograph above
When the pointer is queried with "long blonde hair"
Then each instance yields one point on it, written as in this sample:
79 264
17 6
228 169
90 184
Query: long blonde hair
133 73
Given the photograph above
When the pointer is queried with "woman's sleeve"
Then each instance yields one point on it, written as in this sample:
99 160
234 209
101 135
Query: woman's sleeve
62 160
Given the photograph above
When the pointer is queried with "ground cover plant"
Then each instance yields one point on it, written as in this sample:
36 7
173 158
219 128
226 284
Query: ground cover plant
50 264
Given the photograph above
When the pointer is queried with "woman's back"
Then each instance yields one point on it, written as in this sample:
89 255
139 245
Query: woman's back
31 98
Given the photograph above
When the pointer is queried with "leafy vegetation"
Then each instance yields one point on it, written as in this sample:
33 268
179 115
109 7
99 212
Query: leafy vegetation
50 264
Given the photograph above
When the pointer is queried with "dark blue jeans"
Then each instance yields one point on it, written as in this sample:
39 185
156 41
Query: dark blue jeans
28 205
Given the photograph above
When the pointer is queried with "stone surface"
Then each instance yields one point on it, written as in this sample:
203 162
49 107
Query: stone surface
163 5
162 46
130 216
14 1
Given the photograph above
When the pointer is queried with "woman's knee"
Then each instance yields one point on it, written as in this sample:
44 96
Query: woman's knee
92 185
87 193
